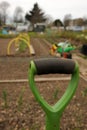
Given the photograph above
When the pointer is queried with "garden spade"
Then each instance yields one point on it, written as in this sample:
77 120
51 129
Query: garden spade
52 66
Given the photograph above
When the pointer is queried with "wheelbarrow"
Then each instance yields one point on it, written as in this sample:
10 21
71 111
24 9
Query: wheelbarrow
52 66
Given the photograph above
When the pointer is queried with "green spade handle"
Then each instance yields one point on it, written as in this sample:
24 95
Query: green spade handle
54 65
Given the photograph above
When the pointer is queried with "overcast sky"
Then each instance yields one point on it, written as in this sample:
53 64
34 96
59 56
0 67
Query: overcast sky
57 9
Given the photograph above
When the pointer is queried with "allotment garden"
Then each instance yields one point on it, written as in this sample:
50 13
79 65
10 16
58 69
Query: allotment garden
19 110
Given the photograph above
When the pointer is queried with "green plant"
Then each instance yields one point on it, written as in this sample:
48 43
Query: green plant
84 93
55 94
77 128
22 46
20 98
5 98
23 129
83 56
35 127
8 36
32 34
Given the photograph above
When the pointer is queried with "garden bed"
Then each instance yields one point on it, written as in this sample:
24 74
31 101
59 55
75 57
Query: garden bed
18 108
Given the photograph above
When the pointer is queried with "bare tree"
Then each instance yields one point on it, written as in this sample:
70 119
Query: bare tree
78 22
18 15
3 7
67 19
49 20
85 20
0 18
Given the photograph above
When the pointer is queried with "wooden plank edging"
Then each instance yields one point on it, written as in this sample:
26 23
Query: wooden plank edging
36 80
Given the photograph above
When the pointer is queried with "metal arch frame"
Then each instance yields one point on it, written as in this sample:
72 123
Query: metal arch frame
16 40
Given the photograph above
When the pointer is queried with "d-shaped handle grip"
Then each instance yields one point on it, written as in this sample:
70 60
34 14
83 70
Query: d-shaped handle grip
54 65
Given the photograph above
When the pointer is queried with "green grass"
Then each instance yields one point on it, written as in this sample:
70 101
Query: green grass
32 34
20 99
55 94
4 96
8 35
77 36
77 128
84 92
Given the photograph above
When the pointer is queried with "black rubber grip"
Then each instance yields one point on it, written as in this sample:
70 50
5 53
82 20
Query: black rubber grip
54 65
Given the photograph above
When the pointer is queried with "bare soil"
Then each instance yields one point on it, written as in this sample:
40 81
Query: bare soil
19 109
